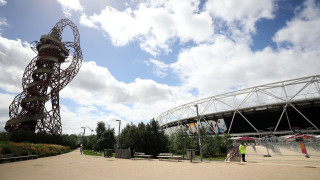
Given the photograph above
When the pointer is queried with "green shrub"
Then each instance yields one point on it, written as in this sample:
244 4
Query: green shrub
26 136
6 148
24 149
4 136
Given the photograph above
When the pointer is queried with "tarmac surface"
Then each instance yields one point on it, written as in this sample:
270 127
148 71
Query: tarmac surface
75 166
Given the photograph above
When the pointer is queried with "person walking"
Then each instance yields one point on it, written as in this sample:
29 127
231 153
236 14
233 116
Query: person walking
81 149
242 149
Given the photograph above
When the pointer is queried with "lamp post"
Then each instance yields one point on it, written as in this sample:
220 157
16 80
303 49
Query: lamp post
198 120
270 128
268 155
84 131
119 133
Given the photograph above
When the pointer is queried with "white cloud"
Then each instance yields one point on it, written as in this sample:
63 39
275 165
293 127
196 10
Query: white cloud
225 66
303 31
70 5
85 21
3 2
137 101
5 100
14 57
159 69
94 85
241 16
154 25
89 116
157 24
233 10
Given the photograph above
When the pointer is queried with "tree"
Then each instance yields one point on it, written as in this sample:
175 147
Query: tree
4 136
171 145
208 147
127 136
71 141
206 143
101 128
145 138
182 142
226 142
85 142
140 137
156 140
217 145
91 142
106 141
23 136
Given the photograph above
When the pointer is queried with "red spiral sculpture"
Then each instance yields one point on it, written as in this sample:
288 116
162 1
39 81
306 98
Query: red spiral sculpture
42 80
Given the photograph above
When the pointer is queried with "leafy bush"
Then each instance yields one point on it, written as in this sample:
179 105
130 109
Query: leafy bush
5 148
26 136
24 149
68 149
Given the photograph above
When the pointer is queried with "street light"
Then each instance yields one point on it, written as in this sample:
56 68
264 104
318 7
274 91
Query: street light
270 128
199 131
268 155
119 133
84 130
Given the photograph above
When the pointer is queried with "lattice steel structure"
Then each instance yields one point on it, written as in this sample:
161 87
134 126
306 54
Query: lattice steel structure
42 80
282 105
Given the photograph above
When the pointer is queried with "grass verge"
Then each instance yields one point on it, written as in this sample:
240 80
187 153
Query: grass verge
90 153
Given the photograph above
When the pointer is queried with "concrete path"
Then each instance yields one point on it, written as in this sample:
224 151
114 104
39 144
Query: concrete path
75 166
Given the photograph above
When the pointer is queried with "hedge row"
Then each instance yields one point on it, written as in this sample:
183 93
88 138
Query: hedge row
25 149
40 138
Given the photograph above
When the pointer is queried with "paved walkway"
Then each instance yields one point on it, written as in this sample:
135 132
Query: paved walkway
75 166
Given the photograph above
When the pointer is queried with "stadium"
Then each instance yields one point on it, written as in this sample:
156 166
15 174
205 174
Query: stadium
280 108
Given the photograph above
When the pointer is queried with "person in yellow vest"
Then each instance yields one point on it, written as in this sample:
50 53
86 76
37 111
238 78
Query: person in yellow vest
242 149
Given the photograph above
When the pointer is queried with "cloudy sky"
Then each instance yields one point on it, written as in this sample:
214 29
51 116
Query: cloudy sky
143 57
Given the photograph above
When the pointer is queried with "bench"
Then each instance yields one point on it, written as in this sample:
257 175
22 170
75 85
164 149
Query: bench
24 157
33 156
14 159
11 158
168 156
4 160
5 157
142 155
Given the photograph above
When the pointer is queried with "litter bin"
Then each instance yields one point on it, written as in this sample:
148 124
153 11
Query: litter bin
107 153
190 154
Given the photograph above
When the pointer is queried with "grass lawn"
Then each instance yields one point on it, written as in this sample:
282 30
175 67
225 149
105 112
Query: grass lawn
90 153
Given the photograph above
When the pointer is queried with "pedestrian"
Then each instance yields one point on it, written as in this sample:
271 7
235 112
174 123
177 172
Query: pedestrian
81 149
242 149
